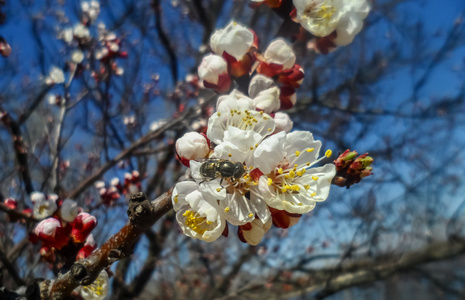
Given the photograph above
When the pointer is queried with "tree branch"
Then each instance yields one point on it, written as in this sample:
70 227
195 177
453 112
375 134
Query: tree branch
142 215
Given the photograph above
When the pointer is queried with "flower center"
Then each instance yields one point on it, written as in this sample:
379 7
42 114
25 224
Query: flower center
96 288
321 13
248 121
43 209
196 222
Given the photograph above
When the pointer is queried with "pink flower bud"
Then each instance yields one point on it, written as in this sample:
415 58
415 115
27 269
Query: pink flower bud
192 145
83 224
293 77
11 203
52 233
88 247
213 71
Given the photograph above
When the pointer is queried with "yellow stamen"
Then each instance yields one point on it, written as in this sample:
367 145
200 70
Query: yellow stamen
227 209
297 153
310 149
328 153
270 181
315 177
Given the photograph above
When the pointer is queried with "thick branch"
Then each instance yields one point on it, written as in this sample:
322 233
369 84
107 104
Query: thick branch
142 215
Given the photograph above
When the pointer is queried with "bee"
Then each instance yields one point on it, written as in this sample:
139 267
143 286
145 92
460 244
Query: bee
215 168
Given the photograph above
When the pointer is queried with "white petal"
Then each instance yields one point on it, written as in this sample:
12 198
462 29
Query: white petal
180 191
239 209
270 153
259 83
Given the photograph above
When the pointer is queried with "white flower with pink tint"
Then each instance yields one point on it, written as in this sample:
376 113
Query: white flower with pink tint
52 233
192 146
82 225
289 182
280 53
43 207
323 17
235 40
198 217
213 71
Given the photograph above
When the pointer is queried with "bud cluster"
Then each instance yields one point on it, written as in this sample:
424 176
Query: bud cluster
109 194
351 169
236 54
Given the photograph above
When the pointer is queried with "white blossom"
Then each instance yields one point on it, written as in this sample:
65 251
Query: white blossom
56 76
289 183
322 17
77 56
98 289
43 207
81 31
198 217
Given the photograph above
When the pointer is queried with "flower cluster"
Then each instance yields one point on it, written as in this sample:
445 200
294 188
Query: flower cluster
82 40
236 54
56 234
109 194
249 170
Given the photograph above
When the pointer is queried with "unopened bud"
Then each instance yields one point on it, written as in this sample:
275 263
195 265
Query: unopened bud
192 145
213 71
235 40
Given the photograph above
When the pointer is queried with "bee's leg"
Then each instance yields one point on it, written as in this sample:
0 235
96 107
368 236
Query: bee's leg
221 181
